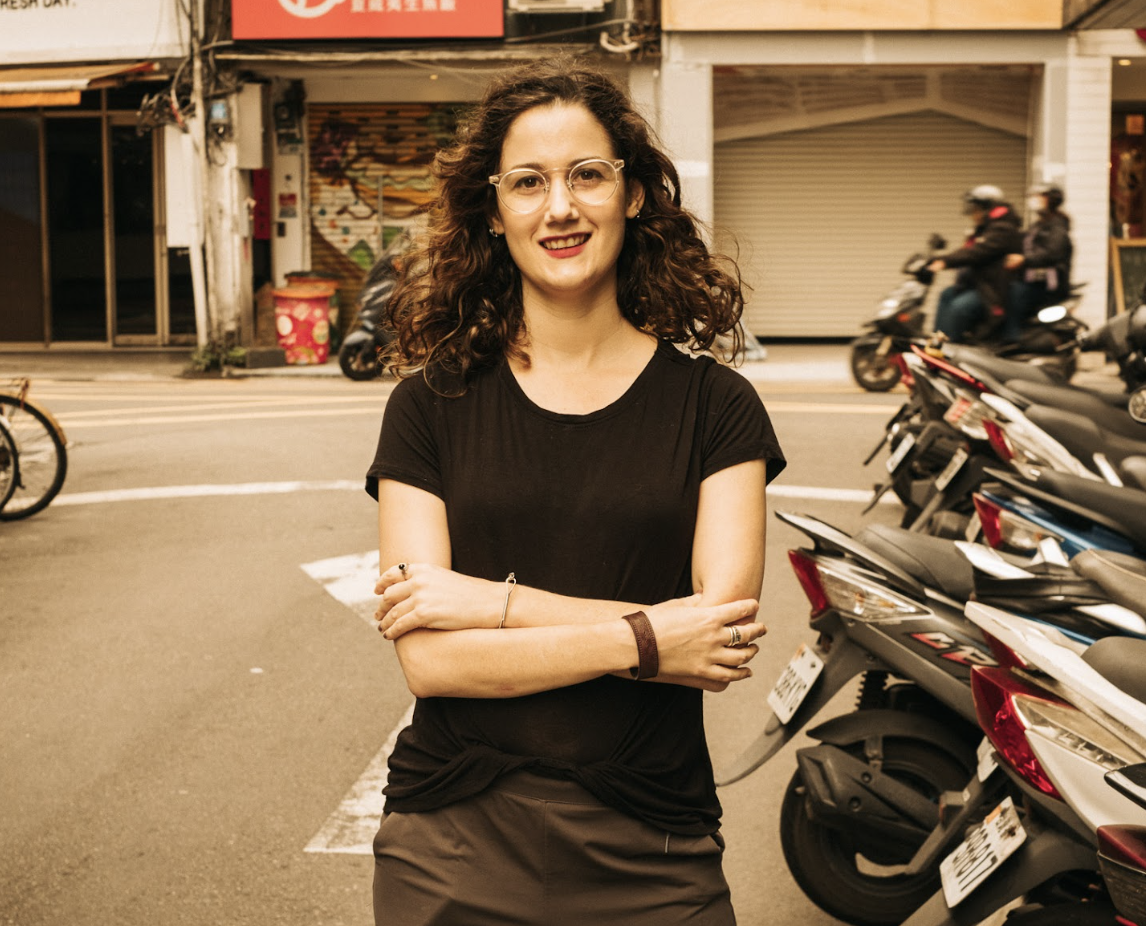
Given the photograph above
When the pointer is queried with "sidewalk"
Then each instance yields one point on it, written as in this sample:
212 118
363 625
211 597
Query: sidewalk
790 363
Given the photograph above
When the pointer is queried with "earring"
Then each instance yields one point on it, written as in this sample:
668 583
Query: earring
493 234
637 216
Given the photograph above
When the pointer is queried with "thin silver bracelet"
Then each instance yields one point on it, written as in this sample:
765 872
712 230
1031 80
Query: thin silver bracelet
510 582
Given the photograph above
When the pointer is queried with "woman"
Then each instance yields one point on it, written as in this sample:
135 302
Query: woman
571 520
1045 260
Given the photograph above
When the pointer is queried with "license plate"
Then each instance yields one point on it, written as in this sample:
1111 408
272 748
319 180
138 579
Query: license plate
900 452
986 848
951 469
794 683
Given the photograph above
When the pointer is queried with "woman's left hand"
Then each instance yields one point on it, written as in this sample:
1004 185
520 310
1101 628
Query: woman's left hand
423 596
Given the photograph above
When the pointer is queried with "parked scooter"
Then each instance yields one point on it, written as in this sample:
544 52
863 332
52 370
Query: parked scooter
1046 339
360 356
1059 717
969 410
887 605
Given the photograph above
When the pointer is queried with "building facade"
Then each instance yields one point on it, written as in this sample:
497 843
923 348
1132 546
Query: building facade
164 171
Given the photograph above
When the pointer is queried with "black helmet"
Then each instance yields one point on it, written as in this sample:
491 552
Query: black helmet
1051 193
984 196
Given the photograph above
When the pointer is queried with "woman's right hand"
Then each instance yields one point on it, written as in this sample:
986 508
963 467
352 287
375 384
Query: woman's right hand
693 641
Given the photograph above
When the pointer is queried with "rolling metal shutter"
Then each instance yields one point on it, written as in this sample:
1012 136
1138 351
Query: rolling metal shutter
823 219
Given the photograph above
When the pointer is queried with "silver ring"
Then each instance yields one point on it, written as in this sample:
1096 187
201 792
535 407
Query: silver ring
733 635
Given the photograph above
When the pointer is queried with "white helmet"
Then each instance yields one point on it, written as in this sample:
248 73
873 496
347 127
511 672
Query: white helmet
983 196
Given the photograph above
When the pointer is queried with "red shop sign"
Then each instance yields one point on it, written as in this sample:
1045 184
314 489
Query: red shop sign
374 19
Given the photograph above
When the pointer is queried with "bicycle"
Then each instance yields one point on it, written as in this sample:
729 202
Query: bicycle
9 464
40 461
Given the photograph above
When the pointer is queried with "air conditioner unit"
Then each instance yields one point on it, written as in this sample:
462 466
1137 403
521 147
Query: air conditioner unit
555 6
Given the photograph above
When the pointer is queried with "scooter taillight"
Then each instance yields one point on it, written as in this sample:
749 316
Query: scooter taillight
999 697
1122 859
1005 529
832 583
998 440
809 577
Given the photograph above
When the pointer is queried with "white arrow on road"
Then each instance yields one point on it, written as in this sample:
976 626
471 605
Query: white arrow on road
350 829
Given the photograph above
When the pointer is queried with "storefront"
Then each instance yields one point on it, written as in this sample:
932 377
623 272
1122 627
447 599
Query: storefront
825 147
85 260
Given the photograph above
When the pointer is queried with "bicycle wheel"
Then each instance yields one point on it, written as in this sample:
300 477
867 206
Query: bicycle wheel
42 457
8 464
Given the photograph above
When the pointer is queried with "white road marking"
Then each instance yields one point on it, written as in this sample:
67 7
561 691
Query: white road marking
71 422
350 829
350 579
204 491
811 493
814 493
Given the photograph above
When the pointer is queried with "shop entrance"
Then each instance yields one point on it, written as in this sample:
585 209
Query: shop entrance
90 264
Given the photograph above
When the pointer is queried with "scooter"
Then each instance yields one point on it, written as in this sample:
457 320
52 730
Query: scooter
887 606
1046 339
1059 717
360 355
969 410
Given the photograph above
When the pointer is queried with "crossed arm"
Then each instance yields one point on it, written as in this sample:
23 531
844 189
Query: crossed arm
551 641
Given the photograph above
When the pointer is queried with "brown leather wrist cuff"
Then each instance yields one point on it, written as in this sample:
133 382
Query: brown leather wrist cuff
648 662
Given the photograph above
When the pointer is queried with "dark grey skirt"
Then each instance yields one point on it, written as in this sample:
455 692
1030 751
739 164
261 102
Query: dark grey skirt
532 851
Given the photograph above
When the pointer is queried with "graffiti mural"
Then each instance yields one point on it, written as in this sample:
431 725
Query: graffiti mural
370 172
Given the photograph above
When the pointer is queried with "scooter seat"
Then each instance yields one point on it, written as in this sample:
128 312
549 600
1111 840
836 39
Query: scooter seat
1122 507
1118 659
934 561
976 359
1101 411
1083 438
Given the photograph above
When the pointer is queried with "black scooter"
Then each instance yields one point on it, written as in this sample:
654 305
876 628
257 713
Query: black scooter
361 352
1046 339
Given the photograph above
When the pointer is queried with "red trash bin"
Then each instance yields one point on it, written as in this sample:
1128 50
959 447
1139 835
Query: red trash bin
302 321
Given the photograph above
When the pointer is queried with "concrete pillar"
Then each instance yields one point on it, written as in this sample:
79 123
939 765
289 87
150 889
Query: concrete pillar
685 110
1073 150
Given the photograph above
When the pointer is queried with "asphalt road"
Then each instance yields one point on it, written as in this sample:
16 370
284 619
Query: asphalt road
184 707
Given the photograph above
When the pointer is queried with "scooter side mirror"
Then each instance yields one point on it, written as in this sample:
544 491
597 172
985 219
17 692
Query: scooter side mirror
937 242
1052 314
1138 404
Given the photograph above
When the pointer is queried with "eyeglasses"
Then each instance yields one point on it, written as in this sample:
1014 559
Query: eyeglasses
590 182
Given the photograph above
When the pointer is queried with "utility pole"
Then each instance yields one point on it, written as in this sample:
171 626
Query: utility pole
201 232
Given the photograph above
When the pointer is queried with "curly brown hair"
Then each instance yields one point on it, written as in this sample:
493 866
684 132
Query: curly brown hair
458 308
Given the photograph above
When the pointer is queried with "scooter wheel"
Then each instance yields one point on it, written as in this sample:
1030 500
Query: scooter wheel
872 370
854 874
359 361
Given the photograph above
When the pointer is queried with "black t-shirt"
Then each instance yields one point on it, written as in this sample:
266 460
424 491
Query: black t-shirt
592 506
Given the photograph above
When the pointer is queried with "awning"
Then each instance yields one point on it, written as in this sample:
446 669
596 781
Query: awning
61 85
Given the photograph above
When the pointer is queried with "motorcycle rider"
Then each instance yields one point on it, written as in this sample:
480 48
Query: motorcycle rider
1045 260
982 285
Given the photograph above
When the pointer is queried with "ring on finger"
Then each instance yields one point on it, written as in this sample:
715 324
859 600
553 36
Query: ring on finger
402 569
733 635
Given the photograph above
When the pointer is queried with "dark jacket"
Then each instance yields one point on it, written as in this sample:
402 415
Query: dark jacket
1049 252
980 260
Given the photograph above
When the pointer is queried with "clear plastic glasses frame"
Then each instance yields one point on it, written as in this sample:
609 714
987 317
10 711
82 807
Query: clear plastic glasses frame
591 182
